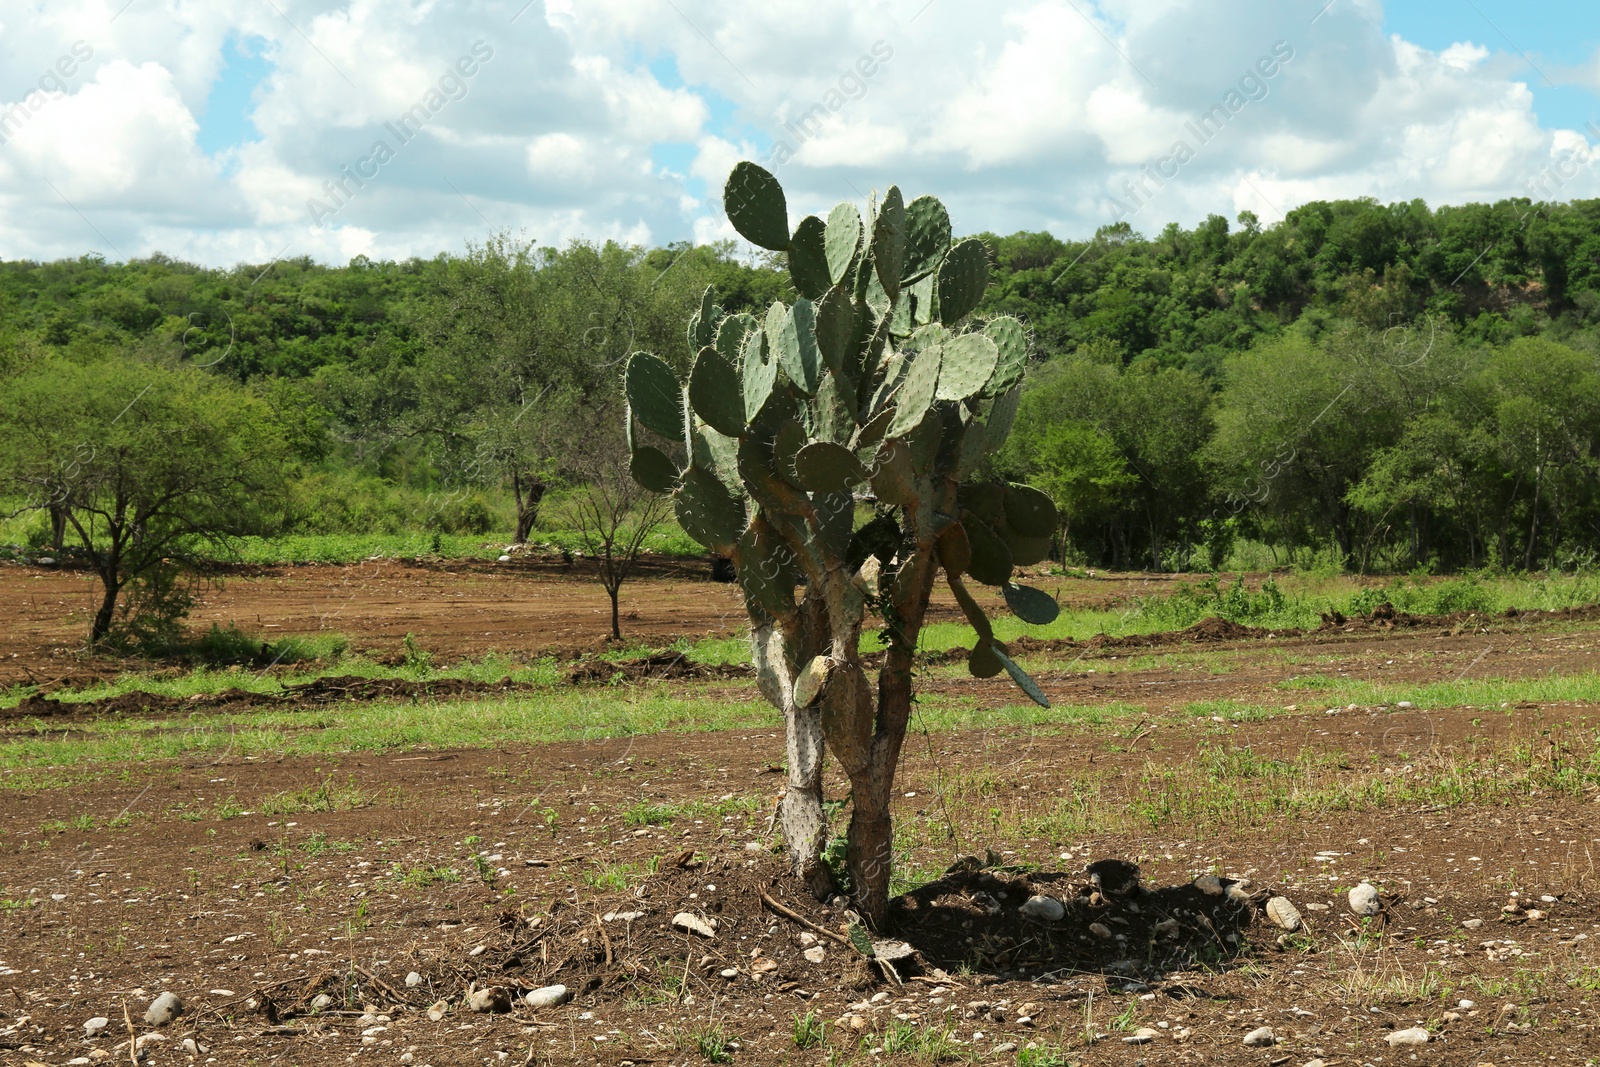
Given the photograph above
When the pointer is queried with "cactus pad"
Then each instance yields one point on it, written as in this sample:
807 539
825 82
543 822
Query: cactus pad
843 238
714 393
808 258
651 468
966 366
824 467
1032 606
654 394
927 236
756 207
889 242
707 511
916 393
962 278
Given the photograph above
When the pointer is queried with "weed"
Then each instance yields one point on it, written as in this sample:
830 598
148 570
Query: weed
423 877
645 813
809 1030
325 796
318 843
1043 1056
930 1044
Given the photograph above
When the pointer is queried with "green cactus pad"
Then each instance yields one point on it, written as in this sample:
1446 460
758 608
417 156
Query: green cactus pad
714 393
834 409
927 236
796 346
1033 606
766 569
982 662
974 445
894 480
760 373
843 240
835 328
652 469
1020 676
808 258
916 394
707 511
756 207
716 452
654 394
991 559
1029 512
997 427
703 323
1026 551
790 439
1012 342
811 681
824 467
889 242
985 500
870 434
962 278
969 608
966 366
731 333
955 551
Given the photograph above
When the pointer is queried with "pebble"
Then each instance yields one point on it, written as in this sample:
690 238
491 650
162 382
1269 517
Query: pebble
1100 930
321 1002
1466 1005
1209 884
1005 1048
548 996
1283 914
163 1009
807 939
1315 1063
413 980
1471 924
1364 899
730 973
1415 1035
1046 909
193 1047
815 954
438 1010
692 923
1261 1037
856 1022
1142 1036
93 1027
490 1001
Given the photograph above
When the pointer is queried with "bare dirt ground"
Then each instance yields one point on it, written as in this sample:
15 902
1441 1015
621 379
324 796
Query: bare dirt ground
392 883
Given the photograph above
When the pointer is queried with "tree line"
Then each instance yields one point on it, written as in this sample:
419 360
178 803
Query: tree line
1394 385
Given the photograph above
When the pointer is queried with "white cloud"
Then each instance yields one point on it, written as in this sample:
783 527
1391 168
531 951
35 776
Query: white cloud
1023 114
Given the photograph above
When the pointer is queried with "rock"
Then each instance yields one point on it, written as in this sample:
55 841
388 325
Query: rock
1315 1063
1466 1005
490 1001
94 1026
1261 1037
46 561
856 1022
1142 1036
730 973
163 1009
692 923
1209 884
413 980
1045 909
547 996
1005 1048
1364 900
1451 1016
193 1047
1471 924
321 1002
1100 930
1283 914
807 939
1415 1035
503 558
815 954
438 1010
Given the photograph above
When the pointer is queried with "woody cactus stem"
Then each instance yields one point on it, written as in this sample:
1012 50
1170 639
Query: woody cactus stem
875 384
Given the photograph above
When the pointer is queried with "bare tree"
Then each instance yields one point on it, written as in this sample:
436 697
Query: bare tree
611 514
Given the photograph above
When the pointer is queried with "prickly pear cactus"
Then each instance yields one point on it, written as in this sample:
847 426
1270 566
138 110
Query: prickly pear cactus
875 384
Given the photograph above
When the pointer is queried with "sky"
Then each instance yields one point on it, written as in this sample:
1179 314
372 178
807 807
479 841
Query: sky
241 131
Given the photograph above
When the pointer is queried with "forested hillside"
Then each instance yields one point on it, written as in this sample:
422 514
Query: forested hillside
1388 385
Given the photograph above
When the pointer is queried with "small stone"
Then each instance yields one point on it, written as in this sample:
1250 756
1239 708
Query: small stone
503 558
1451 1016
321 1002
163 1009
1415 1035
94 1026
1209 884
192 1047
1261 1037
413 980
692 923
1005 1048
1404 704
547 996
1142 1036
730 973
807 939
438 1010
1045 909
1315 1063
1364 899
1283 914
1100 930
490 1001
406 1057
1466 1005
815 954
1471 924
856 1022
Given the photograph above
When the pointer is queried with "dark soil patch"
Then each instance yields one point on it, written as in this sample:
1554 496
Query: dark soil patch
656 666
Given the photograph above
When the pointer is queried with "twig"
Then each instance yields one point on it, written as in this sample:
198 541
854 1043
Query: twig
794 916
379 982
133 1039
605 937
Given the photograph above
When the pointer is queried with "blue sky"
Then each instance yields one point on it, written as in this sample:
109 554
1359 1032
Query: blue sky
1536 40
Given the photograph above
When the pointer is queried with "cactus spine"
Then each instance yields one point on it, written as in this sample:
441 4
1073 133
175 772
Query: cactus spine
875 376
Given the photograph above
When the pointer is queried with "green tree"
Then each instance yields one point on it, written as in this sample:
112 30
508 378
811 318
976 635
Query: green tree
146 459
